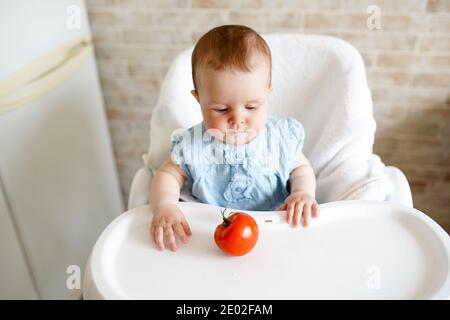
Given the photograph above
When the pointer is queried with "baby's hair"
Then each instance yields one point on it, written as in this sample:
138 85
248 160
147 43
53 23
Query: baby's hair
229 46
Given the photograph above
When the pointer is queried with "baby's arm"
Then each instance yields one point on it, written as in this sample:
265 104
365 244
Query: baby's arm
302 178
168 220
301 202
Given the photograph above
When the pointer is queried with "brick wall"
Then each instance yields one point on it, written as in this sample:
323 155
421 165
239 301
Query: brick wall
407 60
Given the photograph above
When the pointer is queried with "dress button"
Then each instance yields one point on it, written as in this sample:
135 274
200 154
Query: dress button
238 189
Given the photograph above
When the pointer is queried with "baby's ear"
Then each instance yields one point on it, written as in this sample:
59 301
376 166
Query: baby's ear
195 94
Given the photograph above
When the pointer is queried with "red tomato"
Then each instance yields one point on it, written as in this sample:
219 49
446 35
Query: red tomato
237 234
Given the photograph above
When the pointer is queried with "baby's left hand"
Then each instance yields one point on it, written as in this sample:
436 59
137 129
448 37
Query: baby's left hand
300 204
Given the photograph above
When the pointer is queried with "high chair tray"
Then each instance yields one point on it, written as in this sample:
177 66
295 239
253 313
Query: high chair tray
354 250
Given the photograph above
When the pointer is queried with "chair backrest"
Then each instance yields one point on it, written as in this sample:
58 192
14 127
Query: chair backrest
318 80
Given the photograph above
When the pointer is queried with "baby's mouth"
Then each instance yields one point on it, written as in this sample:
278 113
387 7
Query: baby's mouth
236 136
235 132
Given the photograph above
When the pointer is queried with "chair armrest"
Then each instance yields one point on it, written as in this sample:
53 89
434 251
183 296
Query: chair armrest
140 188
402 191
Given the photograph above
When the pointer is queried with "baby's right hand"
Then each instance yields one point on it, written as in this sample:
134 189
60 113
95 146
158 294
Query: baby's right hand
168 221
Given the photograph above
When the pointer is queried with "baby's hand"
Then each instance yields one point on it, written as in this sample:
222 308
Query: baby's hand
300 204
167 222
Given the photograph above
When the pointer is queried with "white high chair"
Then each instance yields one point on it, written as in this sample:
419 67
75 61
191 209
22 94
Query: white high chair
339 121
357 194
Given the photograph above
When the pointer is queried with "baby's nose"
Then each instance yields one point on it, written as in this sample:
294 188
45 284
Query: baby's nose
237 125
236 120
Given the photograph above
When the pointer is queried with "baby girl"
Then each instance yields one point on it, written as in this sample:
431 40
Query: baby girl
238 157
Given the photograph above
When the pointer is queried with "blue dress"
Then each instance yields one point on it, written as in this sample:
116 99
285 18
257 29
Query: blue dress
252 176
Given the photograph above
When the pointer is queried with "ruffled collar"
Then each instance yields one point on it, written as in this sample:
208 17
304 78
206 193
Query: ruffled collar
234 154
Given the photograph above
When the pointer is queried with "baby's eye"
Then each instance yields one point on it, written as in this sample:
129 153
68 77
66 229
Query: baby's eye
250 107
222 110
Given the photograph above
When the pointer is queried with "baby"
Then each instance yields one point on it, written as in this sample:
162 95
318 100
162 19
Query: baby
238 157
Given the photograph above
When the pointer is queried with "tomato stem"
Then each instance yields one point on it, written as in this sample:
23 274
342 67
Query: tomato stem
226 222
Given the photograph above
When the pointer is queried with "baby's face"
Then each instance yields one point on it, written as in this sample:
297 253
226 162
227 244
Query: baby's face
234 102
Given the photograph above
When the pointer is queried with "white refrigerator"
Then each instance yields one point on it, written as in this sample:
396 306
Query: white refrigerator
59 186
